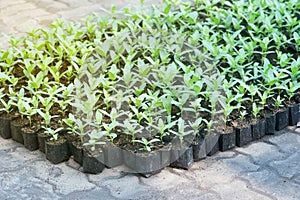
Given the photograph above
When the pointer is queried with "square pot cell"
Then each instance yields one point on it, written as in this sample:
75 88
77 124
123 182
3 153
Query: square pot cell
77 151
42 139
16 133
30 139
91 163
227 140
212 144
271 124
199 150
5 127
262 127
57 151
282 119
258 129
165 155
143 162
112 156
185 159
294 114
243 136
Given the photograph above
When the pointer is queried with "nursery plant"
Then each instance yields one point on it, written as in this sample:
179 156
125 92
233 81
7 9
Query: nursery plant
140 79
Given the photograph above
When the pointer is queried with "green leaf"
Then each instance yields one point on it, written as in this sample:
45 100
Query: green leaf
297 37
208 45
192 17
167 103
112 73
164 55
99 117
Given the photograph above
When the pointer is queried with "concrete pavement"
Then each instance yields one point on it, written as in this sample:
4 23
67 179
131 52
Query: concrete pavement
265 169
20 16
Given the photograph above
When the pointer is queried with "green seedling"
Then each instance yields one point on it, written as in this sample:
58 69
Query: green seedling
147 144
54 133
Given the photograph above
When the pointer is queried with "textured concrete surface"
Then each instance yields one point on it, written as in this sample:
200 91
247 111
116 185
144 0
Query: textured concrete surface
265 169
20 16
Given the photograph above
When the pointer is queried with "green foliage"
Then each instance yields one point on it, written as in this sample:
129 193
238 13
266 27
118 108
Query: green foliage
170 69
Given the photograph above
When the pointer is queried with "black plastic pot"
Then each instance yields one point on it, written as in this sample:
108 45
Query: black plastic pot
282 119
212 144
77 151
255 130
165 154
5 121
15 129
243 136
258 129
91 163
75 146
144 162
294 114
185 159
70 139
199 150
271 124
57 151
263 124
129 160
112 155
227 140
42 139
30 139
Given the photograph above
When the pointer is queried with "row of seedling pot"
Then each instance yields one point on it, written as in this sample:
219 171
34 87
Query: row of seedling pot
145 163
55 151
239 136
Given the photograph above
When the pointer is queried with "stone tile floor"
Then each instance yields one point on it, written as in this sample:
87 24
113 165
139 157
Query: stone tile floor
265 169
20 16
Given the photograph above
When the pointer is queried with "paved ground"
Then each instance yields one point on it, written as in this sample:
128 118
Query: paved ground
266 169
20 16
